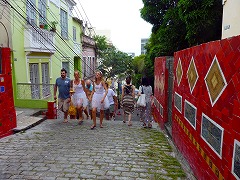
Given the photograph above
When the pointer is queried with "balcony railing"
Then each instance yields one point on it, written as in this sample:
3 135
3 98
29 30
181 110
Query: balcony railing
35 91
38 40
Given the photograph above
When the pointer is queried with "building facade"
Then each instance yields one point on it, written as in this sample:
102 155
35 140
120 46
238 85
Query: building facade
231 15
45 38
143 43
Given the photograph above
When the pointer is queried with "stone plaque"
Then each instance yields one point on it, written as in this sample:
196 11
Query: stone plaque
212 133
190 112
178 102
236 160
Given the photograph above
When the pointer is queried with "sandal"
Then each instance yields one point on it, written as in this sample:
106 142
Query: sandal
93 126
129 124
101 126
80 122
144 125
65 121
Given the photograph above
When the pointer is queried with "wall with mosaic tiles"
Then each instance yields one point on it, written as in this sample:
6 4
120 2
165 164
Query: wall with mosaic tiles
206 108
160 94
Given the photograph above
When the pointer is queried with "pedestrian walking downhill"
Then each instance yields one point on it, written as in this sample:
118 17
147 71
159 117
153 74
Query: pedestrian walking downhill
63 86
98 98
79 97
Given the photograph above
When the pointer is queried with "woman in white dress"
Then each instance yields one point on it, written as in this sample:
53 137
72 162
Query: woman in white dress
98 97
79 98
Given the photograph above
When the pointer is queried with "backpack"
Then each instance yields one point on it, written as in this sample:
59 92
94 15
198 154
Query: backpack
128 89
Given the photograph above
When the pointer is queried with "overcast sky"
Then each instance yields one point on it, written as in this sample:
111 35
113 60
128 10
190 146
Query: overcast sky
122 18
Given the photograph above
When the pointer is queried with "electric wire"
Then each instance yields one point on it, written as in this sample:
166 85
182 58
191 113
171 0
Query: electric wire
58 36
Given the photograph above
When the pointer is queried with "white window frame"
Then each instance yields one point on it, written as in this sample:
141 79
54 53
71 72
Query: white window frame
45 80
74 34
34 79
31 12
64 23
42 11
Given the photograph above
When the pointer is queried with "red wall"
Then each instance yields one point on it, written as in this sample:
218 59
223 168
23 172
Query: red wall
160 90
7 110
224 110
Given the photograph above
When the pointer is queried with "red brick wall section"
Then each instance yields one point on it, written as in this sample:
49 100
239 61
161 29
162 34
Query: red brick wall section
7 110
215 98
160 90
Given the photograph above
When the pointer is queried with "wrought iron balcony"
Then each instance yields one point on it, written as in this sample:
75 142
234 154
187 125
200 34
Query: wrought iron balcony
35 91
38 40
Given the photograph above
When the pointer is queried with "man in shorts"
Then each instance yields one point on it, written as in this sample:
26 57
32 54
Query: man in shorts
63 85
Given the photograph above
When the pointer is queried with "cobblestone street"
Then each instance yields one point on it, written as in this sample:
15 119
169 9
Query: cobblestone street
57 150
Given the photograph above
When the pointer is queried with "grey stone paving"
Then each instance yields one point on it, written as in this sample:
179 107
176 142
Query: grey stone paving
59 151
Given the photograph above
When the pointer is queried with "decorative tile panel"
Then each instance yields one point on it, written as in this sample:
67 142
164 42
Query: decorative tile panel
190 113
212 134
236 159
215 81
178 102
192 75
179 71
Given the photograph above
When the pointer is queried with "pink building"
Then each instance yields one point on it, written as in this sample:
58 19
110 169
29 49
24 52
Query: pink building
89 62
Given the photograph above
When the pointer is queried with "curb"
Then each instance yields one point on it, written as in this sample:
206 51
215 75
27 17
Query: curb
16 130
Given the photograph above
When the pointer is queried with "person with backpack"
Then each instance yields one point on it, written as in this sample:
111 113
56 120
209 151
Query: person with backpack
128 98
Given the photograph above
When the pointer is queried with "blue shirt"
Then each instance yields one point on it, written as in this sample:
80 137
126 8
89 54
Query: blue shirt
90 88
63 87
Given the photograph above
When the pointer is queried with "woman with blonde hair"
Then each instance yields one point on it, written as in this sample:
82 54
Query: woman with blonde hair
79 98
98 98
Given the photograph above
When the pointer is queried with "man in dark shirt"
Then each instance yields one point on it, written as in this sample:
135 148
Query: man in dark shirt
63 85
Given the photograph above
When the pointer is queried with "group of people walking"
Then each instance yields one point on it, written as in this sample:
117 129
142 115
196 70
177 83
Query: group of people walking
91 97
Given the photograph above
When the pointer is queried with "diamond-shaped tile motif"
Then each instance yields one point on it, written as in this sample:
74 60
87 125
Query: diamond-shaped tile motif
215 81
192 75
179 72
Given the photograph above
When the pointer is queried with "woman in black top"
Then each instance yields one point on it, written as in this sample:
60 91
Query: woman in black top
128 96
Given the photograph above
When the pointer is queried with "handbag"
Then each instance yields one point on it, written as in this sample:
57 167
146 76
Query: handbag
142 99
72 110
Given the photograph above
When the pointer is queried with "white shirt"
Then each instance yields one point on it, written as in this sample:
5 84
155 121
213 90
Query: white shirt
110 95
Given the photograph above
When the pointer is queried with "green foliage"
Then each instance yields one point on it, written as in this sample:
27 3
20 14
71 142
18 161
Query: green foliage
102 45
203 20
179 24
114 62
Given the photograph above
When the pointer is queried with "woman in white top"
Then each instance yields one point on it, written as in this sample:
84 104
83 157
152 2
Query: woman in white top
146 112
98 98
79 98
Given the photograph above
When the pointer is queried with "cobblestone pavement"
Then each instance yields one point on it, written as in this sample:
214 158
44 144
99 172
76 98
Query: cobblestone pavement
57 150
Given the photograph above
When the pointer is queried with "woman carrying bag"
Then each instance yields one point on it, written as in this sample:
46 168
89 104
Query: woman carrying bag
145 111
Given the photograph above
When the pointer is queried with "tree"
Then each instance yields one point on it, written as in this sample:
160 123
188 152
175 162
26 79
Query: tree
179 24
114 62
203 20
139 69
102 45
